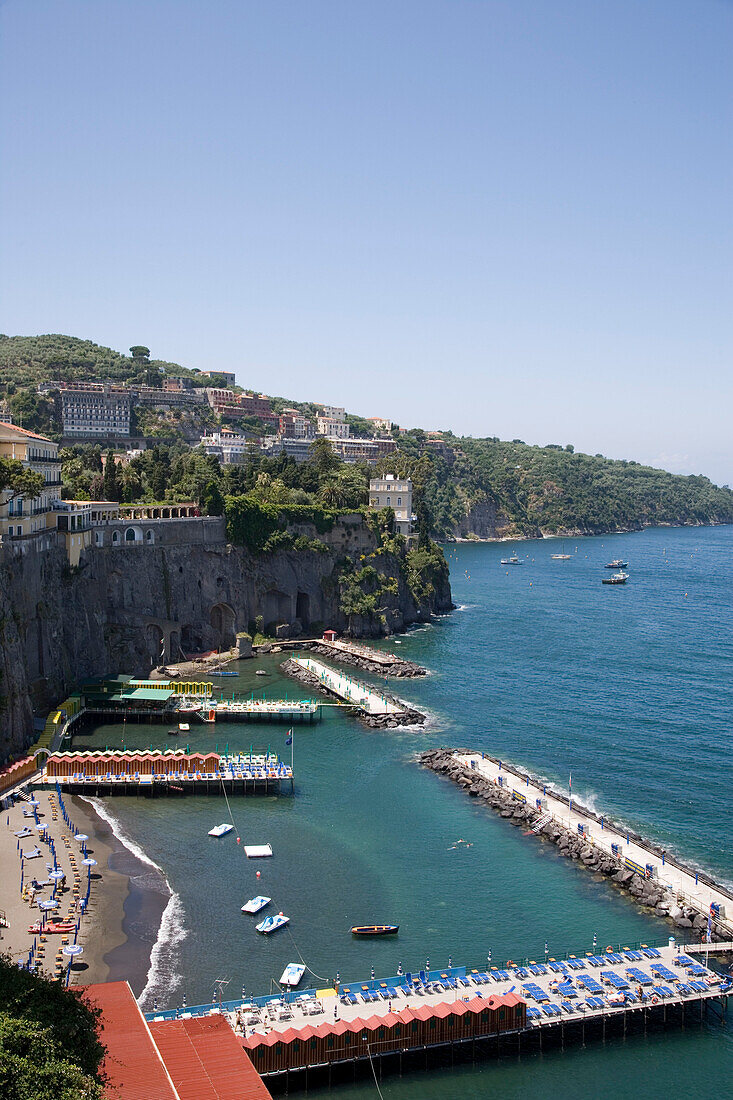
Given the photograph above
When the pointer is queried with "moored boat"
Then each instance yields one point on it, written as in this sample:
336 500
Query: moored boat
271 924
221 830
616 578
255 904
292 974
375 929
617 563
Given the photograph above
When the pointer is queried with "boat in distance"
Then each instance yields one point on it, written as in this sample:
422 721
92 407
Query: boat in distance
513 560
375 929
617 563
221 830
292 974
616 578
271 924
255 904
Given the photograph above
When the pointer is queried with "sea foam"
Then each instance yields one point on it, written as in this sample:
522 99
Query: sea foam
163 976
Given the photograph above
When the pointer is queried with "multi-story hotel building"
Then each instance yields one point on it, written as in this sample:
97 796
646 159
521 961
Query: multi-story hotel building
95 409
335 429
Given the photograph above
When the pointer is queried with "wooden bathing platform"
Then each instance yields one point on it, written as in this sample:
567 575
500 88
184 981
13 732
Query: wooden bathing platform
168 772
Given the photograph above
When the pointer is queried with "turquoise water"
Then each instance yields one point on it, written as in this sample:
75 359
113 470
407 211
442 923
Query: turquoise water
629 688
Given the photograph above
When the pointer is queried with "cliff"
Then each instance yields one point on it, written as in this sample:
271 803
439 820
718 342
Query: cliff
178 586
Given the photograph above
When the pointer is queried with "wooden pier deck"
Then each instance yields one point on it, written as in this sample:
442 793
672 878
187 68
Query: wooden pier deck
298 1038
165 772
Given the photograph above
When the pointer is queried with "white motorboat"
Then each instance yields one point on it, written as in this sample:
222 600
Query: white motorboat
292 974
513 560
271 924
184 727
255 904
260 672
221 830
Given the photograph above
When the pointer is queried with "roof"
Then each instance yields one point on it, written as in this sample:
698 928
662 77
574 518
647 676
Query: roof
132 1064
206 1060
24 431
146 694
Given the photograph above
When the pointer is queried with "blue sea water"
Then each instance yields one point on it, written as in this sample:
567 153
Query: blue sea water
629 688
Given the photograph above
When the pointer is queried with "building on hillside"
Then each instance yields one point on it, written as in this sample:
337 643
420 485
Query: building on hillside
362 450
229 447
293 425
394 493
256 404
333 412
226 377
167 398
21 518
299 449
381 423
93 410
6 417
334 429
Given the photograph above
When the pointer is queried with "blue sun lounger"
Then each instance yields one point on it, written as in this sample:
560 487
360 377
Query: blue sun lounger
639 976
663 991
567 1007
594 1002
533 1013
651 952
591 985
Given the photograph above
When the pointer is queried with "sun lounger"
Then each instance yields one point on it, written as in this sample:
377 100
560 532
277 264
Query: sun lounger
594 1002
33 854
566 1007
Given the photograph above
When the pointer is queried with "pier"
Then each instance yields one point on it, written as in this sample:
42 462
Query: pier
165 772
301 1038
684 885
376 707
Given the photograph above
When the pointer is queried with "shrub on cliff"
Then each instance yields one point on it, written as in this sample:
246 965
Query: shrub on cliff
49 1046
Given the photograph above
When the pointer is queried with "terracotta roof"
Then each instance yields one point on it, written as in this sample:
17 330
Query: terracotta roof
132 1064
24 431
206 1061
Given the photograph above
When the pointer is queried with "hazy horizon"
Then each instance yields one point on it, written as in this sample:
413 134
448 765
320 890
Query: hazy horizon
500 219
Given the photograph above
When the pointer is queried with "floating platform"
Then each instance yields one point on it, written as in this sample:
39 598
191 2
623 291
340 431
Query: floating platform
257 851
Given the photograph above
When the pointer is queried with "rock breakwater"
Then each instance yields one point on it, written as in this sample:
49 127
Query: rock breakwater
647 893
406 716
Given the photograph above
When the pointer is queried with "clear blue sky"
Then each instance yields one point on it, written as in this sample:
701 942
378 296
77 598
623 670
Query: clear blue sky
504 217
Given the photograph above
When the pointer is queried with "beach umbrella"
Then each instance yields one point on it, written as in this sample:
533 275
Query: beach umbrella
49 904
72 949
89 862
57 875
33 802
81 836
41 826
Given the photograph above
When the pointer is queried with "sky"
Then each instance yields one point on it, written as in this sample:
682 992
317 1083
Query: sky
501 217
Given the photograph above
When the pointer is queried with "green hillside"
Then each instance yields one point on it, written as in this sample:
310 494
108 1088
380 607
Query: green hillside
469 487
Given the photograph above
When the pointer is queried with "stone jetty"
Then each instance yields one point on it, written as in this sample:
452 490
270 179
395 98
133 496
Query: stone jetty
509 801
389 714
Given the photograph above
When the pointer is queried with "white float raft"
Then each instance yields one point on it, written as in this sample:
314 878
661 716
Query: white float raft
292 974
257 851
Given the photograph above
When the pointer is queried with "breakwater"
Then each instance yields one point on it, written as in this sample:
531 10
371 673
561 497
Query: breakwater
680 894
379 710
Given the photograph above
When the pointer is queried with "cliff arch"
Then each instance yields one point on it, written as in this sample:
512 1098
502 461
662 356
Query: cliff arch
222 620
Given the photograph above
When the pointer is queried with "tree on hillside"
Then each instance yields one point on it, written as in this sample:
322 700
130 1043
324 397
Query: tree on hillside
322 456
111 478
19 481
140 352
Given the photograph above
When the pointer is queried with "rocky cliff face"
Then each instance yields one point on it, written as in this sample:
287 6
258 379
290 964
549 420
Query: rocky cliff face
130 606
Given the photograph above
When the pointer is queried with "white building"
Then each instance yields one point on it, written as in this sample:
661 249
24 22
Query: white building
226 376
230 447
381 423
333 412
394 493
330 426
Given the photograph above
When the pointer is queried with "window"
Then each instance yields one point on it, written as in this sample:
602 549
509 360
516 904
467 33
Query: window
10 530
130 534
399 500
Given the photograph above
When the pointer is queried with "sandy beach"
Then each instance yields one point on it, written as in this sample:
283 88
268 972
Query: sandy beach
115 941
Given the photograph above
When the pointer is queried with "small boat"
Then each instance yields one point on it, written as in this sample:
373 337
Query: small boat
224 672
54 928
172 733
260 672
292 974
184 727
513 560
221 830
375 930
562 556
271 924
255 904
616 578
617 563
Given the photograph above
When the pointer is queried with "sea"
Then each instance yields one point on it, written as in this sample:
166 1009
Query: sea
626 688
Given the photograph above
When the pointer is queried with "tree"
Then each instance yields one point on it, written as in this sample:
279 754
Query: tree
111 478
139 351
211 502
322 456
19 481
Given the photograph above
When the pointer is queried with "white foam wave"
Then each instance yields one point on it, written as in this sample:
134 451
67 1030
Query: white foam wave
162 977
120 833
163 973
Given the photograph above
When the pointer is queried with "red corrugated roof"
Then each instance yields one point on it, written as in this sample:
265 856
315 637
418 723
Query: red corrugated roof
133 1065
24 431
206 1060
